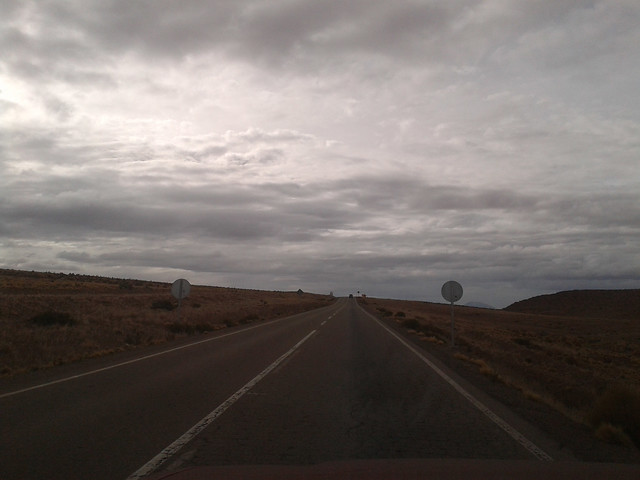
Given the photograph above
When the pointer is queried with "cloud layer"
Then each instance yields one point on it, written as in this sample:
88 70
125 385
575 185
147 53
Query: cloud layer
377 146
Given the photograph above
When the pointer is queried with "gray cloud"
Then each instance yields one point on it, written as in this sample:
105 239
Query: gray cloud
302 31
368 145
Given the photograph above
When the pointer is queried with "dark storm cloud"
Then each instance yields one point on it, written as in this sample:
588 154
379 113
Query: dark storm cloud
68 221
275 32
306 32
302 34
50 52
403 194
224 211
604 210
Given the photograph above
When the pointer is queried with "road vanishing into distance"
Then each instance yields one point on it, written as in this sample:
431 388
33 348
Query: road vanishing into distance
328 385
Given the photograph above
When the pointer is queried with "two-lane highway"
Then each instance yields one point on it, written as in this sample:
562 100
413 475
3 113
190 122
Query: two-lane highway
353 391
325 385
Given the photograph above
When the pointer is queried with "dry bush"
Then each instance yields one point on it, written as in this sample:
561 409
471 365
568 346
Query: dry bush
411 323
618 406
51 317
163 304
612 434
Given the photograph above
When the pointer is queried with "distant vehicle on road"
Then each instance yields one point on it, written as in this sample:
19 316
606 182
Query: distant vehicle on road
351 295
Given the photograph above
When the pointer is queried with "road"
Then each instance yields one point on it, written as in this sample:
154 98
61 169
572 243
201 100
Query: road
331 384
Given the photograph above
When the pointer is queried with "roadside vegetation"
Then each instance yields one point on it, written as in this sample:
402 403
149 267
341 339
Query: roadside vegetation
48 319
587 368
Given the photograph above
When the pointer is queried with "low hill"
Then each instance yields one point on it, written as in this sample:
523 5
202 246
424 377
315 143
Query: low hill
618 304
479 305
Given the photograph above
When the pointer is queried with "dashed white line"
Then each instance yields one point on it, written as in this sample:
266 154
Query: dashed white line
172 449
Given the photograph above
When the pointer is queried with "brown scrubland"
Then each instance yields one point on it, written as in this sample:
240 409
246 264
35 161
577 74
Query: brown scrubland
48 319
577 352
583 361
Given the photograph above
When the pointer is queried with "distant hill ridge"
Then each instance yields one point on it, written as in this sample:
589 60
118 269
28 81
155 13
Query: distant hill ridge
479 305
619 304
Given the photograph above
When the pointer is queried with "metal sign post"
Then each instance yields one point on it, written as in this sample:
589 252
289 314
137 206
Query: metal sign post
180 289
452 292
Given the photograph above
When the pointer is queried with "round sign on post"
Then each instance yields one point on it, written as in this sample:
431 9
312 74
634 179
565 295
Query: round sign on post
452 292
180 288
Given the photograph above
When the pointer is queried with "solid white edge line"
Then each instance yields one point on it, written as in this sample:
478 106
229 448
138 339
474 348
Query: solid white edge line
92 372
172 449
128 362
517 436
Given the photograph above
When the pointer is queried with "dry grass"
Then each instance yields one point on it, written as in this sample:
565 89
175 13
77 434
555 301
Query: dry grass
618 408
569 363
613 434
108 315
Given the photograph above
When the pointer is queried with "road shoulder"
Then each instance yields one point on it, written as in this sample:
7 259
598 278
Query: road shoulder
571 439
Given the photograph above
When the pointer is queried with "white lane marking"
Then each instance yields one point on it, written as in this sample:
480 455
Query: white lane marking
323 323
172 449
146 357
517 436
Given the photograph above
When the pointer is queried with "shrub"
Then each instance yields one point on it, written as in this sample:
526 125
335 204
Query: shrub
400 314
189 328
525 342
251 317
52 317
619 406
203 327
163 305
179 327
489 372
411 323
435 331
134 337
612 434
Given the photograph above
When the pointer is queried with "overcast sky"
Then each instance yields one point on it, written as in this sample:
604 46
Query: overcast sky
364 145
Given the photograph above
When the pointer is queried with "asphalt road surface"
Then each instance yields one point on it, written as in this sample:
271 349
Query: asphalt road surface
328 385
